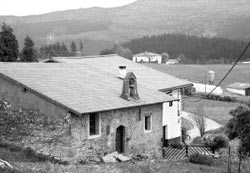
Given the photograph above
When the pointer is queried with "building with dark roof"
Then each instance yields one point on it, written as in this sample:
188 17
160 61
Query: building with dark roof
149 78
104 112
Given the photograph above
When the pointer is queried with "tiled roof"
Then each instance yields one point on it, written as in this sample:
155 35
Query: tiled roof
146 76
239 85
80 88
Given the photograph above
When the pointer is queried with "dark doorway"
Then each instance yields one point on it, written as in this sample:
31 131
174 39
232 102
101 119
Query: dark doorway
120 138
165 137
248 92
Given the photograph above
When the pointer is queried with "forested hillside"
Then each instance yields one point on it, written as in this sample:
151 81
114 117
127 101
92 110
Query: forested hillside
100 28
191 49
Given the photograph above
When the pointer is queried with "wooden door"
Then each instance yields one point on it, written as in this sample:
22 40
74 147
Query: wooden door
165 136
120 139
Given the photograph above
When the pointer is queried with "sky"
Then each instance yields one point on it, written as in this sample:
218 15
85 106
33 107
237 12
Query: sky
31 7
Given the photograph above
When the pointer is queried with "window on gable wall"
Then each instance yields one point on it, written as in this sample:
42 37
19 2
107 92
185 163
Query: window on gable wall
94 124
148 124
139 115
248 92
170 104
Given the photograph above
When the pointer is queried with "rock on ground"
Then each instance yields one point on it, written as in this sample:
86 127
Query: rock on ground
5 165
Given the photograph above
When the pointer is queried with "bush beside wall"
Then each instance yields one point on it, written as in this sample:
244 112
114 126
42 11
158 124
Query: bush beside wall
201 159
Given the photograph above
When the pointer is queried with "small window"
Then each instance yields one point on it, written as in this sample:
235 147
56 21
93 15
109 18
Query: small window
170 104
148 124
24 90
108 129
94 123
248 92
169 92
139 115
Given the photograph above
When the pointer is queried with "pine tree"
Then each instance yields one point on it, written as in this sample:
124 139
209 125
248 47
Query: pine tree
73 48
28 53
8 44
64 50
81 46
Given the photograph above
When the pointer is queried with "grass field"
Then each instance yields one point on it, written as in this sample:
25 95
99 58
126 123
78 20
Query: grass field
215 110
197 73
218 111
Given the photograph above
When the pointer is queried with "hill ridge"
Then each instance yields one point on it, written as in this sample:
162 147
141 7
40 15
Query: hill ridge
210 18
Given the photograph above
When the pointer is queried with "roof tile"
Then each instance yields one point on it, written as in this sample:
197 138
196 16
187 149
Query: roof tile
82 88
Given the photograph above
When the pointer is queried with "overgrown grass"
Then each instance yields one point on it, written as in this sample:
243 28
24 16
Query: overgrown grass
201 159
16 154
159 166
24 165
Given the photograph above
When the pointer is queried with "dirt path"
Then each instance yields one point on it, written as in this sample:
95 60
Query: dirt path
194 132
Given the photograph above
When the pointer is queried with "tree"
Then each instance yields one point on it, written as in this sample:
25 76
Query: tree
183 59
165 57
8 44
81 46
124 52
196 49
64 50
239 127
55 49
107 52
73 47
119 50
200 119
28 53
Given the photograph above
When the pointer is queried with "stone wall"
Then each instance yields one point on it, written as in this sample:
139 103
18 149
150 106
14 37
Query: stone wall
50 130
31 129
136 140
19 99
34 122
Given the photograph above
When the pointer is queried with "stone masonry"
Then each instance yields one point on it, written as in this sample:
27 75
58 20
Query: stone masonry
63 135
136 140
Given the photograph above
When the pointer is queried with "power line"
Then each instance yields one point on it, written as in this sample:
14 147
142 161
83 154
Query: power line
238 59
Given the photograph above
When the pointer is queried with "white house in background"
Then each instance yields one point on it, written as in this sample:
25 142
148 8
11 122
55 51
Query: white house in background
153 79
148 57
207 88
239 88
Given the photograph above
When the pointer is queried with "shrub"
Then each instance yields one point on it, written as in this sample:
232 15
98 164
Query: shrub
217 97
184 134
177 145
198 140
220 142
201 159
217 142
28 152
9 170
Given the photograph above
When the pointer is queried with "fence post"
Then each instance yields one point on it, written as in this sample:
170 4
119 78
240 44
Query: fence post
186 150
229 159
